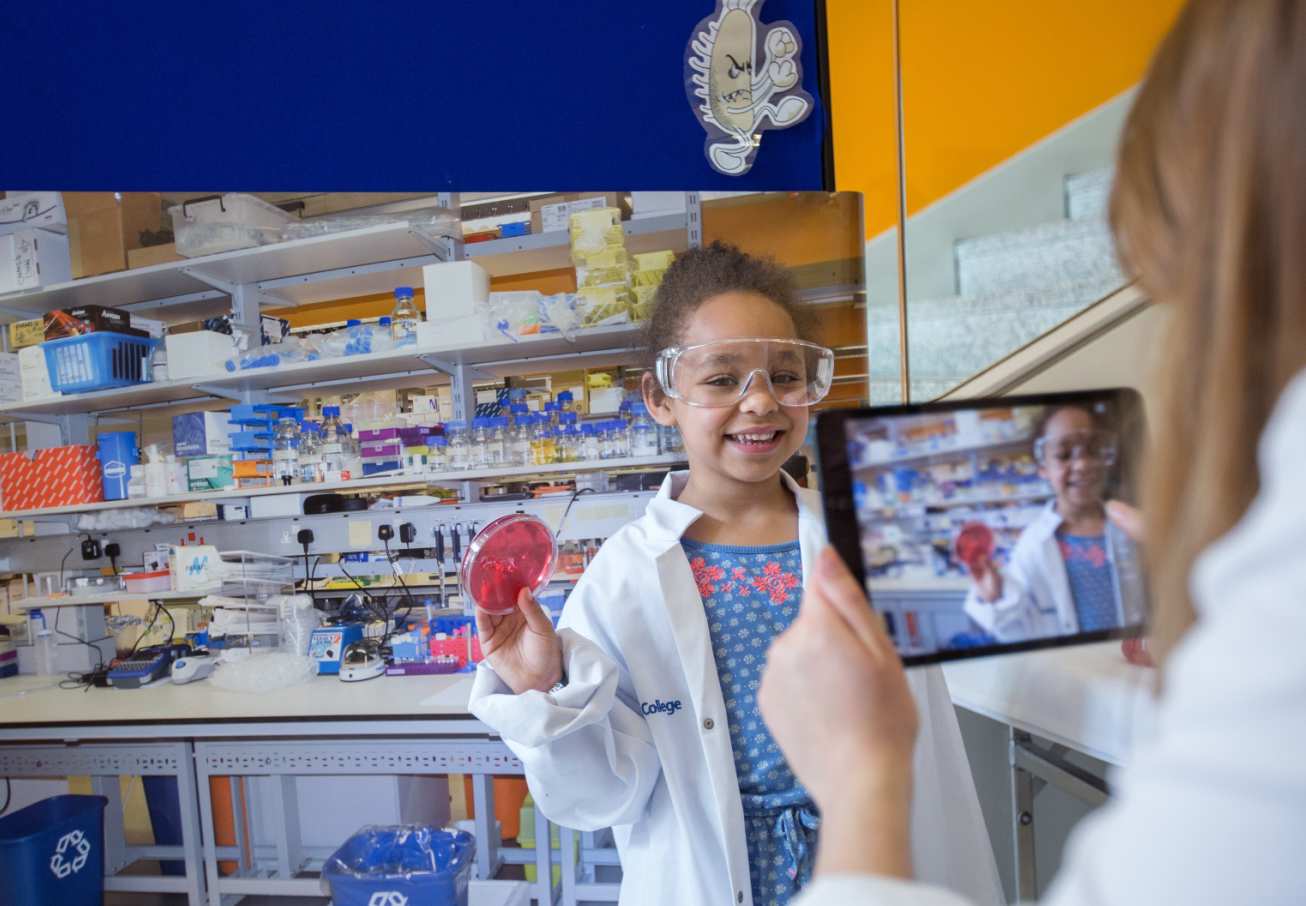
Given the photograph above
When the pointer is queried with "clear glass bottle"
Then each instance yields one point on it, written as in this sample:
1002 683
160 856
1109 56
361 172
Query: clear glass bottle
477 440
620 439
542 441
310 453
551 410
591 449
572 446
456 434
333 447
437 457
404 317
496 442
519 438
643 432
285 451
353 453
669 440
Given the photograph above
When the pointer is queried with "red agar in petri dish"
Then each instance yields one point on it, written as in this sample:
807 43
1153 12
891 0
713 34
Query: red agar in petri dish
974 543
511 553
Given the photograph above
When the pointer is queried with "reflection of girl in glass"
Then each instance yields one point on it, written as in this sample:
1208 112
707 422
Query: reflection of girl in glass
1071 570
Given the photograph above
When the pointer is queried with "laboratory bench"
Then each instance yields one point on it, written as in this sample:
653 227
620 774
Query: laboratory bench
1054 702
388 726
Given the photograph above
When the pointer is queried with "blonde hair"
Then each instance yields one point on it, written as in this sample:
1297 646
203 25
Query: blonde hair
1209 214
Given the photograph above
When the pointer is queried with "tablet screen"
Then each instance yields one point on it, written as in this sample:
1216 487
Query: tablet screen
981 527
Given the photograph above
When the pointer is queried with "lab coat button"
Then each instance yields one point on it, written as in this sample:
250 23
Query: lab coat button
709 724
739 896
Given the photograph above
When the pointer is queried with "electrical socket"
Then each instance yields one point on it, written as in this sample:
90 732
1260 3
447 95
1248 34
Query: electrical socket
91 549
385 531
407 533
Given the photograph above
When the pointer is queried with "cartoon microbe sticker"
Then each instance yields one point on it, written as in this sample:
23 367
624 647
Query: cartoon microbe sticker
734 99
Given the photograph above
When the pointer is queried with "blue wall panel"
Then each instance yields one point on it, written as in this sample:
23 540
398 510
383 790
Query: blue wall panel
402 96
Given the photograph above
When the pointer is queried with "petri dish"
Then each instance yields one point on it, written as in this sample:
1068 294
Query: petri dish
974 543
511 553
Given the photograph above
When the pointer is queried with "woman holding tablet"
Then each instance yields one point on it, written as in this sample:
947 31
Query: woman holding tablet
1209 211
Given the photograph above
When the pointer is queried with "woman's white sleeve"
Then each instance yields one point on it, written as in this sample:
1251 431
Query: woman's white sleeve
589 757
869 890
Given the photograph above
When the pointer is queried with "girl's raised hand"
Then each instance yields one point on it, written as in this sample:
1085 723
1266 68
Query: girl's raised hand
522 646
988 581
1128 518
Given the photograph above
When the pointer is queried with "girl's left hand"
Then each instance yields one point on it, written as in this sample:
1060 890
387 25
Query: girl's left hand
835 696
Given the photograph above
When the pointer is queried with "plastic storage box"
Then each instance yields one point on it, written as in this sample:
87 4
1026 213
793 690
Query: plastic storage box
144 582
53 852
226 223
401 864
98 361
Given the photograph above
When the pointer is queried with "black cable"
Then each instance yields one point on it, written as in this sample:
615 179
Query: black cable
412 602
561 522
368 600
8 796
99 657
61 565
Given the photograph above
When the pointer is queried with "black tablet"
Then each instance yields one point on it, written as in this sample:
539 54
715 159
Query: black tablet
979 526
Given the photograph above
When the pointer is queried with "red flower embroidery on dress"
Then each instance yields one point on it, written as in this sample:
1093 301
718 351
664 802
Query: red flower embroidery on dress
705 575
776 582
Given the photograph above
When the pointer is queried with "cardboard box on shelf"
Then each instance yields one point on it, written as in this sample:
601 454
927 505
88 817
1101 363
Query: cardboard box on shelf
201 433
17 528
210 473
152 254
26 333
34 374
198 353
84 319
66 476
32 210
552 212
17 471
30 259
11 379
104 226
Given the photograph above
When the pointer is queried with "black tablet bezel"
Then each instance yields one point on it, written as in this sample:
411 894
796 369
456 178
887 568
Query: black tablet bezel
841 518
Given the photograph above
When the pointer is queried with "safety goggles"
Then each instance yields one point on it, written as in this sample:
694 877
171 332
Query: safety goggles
1099 446
720 373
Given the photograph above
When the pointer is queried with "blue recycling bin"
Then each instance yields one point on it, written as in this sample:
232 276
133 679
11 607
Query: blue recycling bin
53 852
164 804
401 864
117 453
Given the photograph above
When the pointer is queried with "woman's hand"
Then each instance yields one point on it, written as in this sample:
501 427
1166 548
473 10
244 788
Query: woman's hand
988 580
522 646
1129 519
836 699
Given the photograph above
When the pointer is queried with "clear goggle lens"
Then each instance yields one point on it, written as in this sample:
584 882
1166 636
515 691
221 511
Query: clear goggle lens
1099 446
717 374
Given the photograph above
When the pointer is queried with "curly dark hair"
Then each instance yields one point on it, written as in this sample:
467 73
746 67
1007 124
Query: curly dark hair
699 274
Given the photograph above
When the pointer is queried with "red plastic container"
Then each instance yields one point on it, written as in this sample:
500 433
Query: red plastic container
511 553
974 543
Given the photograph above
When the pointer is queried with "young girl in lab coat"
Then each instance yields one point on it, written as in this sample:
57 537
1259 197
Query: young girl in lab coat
640 712
1072 570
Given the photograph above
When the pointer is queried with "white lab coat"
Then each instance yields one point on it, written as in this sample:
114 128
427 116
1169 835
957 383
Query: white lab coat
638 740
1036 600
1212 810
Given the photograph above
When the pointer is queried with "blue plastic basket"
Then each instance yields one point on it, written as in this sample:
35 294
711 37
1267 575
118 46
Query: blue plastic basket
98 361
53 852
401 864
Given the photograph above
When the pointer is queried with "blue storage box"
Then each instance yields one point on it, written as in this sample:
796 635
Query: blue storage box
201 433
98 361
401 864
53 852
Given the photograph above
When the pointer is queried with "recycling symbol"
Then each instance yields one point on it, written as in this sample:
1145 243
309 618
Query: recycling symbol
61 865
388 898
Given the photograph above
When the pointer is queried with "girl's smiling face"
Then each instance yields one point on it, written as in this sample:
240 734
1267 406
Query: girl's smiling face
1079 481
747 442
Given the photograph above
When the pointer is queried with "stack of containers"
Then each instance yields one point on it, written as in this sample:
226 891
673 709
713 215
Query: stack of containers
254 428
650 268
414 448
383 450
603 277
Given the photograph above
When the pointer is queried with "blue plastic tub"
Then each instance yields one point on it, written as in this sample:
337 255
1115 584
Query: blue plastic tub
401 864
98 361
53 852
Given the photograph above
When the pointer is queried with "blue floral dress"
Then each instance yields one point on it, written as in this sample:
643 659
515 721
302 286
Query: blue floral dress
751 595
1092 580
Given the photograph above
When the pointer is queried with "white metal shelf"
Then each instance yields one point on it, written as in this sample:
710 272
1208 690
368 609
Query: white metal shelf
1001 446
551 251
323 261
402 367
356 484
